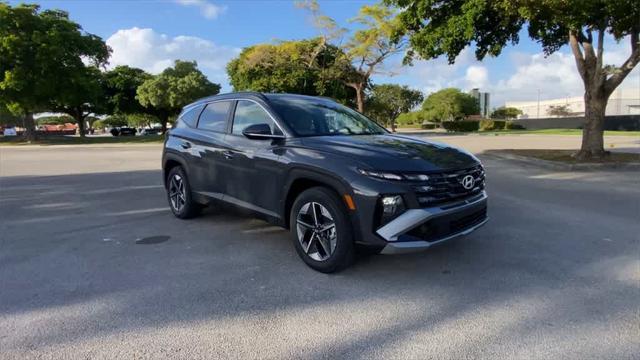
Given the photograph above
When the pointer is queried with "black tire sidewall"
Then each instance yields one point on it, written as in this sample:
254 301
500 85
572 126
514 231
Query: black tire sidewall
190 207
343 254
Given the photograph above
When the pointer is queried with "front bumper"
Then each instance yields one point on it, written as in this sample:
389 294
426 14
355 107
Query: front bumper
448 221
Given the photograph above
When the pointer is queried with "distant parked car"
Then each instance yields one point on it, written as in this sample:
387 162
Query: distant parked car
153 131
123 131
10 131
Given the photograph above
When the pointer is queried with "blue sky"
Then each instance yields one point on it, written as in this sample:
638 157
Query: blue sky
151 34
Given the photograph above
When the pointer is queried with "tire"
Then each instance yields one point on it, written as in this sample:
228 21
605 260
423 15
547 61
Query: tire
183 206
306 231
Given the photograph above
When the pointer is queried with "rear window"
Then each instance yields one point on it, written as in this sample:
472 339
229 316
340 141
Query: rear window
189 117
214 116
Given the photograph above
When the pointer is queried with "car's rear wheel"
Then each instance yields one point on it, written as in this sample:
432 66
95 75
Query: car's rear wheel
321 230
179 194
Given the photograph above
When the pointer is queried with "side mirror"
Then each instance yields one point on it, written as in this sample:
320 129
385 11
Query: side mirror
260 131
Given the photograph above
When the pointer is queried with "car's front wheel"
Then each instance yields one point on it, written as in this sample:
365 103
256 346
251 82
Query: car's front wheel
179 194
321 230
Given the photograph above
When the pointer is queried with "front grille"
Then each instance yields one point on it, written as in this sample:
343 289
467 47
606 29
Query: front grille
439 228
447 186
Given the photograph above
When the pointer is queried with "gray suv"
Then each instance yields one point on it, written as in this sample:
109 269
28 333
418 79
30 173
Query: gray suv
334 178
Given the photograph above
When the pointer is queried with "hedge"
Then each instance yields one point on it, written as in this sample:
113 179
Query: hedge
491 125
512 125
461 126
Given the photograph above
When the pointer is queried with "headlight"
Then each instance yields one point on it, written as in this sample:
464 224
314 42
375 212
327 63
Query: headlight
380 174
392 207
394 176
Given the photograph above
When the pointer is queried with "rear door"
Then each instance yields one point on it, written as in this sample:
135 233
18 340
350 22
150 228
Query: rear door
208 146
254 175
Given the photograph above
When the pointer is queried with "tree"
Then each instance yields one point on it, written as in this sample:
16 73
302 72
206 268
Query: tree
367 48
449 104
39 53
440 28
302 67
386 102
506 113
558 110
121 85
164 95
83 96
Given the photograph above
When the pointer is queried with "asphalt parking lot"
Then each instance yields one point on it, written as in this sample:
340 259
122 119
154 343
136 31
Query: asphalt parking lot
93 265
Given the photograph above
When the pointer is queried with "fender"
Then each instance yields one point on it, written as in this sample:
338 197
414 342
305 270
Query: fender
321 176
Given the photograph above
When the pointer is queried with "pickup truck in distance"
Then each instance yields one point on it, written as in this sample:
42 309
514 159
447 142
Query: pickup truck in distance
337 180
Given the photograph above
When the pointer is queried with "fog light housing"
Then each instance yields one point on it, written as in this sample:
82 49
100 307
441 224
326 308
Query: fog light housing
392 207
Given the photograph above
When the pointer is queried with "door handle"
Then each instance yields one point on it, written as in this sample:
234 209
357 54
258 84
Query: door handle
185 145
228 155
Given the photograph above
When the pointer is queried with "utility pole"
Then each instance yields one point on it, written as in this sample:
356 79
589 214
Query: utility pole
538 116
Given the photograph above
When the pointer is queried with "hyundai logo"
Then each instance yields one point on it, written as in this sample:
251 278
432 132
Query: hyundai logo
468 182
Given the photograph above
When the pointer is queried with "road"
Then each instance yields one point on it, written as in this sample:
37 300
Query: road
555 274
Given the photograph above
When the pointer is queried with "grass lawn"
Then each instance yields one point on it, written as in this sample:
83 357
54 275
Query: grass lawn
566 156
74 140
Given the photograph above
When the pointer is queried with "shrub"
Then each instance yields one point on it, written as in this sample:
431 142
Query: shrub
461 126
429 126
491 125
512 125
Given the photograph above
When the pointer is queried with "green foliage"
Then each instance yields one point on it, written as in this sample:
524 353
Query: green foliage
114 121
121 85
55 120
449 104
428 126
164 95
506 113
8 118
491 125
512 125
461 126
42 60
446 28
307 67
413 118
559 110
141 120
386 102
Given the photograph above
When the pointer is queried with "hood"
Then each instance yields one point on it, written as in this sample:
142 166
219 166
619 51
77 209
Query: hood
395 152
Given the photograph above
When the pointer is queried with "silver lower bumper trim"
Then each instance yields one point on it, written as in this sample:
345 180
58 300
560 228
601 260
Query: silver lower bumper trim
413 246
414 217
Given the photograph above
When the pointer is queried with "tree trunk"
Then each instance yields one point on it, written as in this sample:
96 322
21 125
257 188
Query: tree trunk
30 127
164 119
393 125
360 98
595 103
82 128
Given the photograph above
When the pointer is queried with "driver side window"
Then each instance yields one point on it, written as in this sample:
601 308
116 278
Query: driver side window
249 113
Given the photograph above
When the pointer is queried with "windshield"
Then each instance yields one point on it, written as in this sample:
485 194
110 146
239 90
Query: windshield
320 117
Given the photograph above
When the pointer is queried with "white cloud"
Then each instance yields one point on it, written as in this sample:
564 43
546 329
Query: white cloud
555 76
477 76
154 52
207 9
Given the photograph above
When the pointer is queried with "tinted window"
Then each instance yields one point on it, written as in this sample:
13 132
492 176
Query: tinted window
317 117
214 116
249 113
189 117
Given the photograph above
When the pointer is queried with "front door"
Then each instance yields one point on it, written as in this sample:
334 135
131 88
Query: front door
253 172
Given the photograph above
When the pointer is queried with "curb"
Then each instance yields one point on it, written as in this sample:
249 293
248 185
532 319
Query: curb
554 165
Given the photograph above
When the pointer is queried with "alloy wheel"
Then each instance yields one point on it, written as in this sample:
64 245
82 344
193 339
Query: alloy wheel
177 193
316 231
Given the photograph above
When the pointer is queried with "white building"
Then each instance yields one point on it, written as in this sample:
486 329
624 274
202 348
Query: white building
621 102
